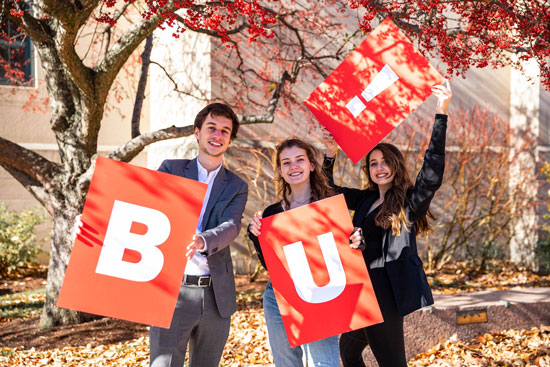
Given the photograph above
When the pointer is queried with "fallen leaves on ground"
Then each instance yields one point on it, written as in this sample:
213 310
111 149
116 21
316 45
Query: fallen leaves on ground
131 353
247 344
508 348
461 276
27 269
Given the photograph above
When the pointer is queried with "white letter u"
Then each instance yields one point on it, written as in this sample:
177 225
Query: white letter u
301 273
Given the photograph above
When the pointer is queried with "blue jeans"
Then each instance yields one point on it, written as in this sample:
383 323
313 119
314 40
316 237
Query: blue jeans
322 352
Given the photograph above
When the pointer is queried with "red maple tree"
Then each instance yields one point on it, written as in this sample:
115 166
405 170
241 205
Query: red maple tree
81 81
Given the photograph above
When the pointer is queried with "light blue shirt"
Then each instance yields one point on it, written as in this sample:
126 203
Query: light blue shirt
198 265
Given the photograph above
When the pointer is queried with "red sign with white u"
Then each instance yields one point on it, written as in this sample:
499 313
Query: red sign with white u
322 285
128 261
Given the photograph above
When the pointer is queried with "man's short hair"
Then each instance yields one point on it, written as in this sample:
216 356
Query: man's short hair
218 109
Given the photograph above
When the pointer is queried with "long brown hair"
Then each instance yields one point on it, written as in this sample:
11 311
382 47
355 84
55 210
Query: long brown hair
392 212
318 181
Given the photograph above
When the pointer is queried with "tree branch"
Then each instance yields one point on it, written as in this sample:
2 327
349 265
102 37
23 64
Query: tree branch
269 116
140 93
33 27
73 13
105 34
81 75
31 185
121 51
128 151
176 87
210 32
29 163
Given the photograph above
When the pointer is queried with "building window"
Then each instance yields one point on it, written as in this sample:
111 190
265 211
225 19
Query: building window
16 56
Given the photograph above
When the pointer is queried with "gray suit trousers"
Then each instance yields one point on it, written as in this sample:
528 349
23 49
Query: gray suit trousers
196 322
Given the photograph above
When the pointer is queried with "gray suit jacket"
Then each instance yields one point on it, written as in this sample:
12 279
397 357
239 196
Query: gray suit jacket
221 223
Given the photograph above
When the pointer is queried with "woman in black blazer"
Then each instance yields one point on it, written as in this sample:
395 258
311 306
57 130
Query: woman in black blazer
391 212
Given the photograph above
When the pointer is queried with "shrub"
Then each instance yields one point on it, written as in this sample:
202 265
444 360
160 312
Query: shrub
18 242
542 252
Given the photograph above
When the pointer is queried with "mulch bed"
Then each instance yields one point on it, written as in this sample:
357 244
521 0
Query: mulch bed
26 333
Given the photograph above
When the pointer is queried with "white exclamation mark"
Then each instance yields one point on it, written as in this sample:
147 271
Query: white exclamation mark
385 78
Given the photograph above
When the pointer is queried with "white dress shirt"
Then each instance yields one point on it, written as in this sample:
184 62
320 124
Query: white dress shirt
198 265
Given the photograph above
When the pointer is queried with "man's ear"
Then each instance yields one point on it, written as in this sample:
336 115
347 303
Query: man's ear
196 133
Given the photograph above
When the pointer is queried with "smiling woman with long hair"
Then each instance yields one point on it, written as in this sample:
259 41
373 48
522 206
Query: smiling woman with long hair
391 211
301 181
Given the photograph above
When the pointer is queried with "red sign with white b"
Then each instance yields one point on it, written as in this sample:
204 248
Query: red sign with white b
128 261
376 87
322 285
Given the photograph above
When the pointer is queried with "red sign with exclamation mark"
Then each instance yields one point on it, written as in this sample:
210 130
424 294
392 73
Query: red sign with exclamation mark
375 88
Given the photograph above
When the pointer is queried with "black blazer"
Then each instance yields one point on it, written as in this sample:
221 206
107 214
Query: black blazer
400 256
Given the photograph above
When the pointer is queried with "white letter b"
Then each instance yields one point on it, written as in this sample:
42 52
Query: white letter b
118 238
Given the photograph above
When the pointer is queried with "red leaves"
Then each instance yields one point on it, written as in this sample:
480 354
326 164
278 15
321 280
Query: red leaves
221 17
469 34
106 18
16 13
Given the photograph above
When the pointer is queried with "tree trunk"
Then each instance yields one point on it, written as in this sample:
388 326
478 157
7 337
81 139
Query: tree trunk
60 252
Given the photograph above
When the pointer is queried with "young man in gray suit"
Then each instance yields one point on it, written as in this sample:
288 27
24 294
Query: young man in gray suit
207 295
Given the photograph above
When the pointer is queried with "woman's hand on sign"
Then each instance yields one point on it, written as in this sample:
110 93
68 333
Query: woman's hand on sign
256 224
356 240
329 142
